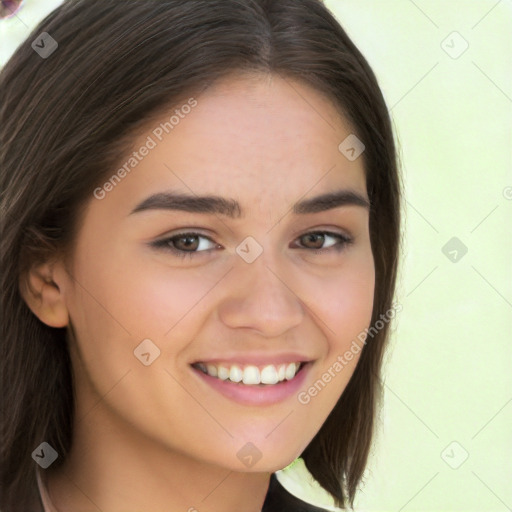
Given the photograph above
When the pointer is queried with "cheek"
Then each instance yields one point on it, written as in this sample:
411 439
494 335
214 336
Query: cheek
159 299
343 307
350 309
344 310
139 297
123 304
343 301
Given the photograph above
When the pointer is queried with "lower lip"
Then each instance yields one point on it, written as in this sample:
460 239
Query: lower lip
256 395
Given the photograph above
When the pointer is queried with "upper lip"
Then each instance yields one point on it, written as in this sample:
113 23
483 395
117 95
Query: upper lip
256 359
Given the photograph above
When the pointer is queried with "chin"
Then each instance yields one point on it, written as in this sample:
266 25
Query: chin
266 460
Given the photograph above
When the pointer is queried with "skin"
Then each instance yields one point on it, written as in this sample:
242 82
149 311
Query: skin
156 437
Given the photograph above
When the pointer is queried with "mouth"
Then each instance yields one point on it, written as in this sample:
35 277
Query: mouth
253 385
251 375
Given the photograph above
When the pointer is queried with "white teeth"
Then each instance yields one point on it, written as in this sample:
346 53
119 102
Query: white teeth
290 371
235 373
222 373
212 370
251 375
269 375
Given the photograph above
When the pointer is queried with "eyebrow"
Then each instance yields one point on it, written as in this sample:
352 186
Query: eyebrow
231 208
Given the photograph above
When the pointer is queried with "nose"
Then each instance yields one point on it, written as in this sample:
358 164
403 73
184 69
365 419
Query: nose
261 297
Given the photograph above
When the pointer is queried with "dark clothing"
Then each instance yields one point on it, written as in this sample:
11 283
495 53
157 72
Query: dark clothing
280 500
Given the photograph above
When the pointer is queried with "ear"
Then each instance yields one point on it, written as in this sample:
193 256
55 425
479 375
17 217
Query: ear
43 295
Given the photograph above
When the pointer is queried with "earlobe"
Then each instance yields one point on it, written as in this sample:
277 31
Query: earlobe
43 295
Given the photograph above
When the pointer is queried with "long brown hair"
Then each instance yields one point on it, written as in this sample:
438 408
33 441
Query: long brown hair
67 118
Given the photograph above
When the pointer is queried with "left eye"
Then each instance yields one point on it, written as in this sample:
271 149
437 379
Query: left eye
187 244
321 236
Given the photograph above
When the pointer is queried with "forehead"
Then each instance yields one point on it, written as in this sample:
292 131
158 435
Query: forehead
262 139
267 121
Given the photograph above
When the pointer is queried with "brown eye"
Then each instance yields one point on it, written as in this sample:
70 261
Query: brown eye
316 240
186 242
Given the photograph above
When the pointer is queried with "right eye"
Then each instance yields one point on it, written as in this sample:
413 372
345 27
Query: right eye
184 244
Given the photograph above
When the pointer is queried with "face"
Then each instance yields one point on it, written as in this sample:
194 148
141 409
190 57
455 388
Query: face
267 280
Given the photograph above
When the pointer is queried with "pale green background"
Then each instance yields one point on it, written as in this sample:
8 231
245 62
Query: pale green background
448 371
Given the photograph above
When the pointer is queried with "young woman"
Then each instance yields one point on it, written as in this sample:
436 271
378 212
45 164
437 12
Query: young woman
200 209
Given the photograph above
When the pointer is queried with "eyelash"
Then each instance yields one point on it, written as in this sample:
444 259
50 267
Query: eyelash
165 243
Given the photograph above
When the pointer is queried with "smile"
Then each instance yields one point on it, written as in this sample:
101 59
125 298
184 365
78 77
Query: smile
252 384
251 375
